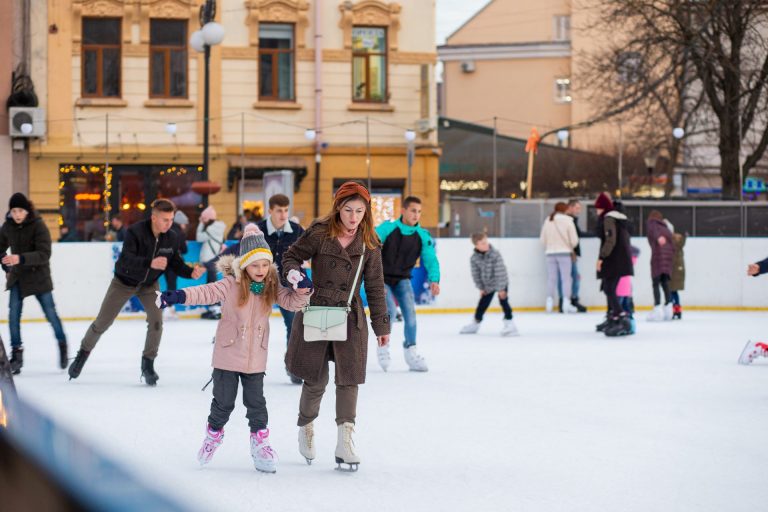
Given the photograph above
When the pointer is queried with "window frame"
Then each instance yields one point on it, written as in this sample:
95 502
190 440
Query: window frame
566 98
562 27
99 49
366 55
275 53
166 50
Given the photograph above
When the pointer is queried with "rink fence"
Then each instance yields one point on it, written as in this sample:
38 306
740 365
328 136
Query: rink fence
715 277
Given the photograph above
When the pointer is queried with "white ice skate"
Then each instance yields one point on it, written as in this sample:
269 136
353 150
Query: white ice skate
668 311
470 328
307 442
656 314
549 305
568 307
415 361
509 329
753 350
345 449
383 355
169 314
264 457
212 441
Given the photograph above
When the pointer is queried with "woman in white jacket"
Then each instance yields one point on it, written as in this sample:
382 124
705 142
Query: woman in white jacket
559 238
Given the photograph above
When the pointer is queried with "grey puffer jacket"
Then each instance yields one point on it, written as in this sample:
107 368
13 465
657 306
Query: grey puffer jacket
489 271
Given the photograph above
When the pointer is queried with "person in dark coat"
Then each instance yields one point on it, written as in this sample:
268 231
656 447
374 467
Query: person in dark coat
67 235
614 262
280 233
150 247
662 258
677 279
336 244
28 272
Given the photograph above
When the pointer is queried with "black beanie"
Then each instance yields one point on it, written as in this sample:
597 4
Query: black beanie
19 200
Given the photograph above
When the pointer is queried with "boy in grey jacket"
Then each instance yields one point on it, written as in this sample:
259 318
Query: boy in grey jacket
490 276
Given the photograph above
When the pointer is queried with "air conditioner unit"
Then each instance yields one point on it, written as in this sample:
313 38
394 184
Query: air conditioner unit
468 66
26 122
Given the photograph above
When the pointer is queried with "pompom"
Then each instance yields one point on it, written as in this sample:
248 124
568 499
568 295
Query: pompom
251 229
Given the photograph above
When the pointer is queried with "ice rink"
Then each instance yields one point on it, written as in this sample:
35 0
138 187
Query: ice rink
558 419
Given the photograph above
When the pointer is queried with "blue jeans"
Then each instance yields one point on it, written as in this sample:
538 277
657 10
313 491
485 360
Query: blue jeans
575 281
403 292
288 319
49 308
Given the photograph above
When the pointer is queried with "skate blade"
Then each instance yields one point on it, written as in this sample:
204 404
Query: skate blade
743 358
351 466
309 461
270 471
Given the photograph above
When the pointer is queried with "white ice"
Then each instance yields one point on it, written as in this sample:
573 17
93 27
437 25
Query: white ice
559 419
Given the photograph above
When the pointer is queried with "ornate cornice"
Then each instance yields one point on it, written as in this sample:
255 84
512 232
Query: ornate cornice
277 11
370 13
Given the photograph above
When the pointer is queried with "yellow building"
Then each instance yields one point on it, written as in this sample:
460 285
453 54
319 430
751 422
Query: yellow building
122 89
516 61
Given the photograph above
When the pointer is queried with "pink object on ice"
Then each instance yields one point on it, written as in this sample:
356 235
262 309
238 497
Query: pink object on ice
624 288
213 439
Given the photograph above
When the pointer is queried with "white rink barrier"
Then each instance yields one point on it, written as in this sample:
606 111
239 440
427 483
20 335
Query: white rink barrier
715 276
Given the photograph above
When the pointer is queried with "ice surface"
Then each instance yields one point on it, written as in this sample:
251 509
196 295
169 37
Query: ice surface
559 419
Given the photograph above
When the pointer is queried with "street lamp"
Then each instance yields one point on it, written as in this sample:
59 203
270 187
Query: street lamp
562 136
311 136
650 164
210 34
410 137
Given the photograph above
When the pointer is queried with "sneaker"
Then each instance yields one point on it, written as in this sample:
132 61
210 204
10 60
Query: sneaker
382 353
753 350
656 314
668 311
549 305
307 442
345 448
415 361
17 360
471 328
509 329
264 457
212 441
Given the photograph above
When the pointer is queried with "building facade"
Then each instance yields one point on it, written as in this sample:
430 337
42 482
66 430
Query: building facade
122 92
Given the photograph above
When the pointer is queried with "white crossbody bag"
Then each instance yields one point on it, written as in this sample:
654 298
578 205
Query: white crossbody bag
329 323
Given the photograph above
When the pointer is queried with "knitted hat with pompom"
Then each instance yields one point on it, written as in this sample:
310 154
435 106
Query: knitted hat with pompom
253 246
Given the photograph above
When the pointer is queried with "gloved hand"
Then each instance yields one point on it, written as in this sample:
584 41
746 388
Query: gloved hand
299 279
169 298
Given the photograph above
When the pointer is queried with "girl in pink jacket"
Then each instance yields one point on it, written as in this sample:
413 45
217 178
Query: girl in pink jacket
247 292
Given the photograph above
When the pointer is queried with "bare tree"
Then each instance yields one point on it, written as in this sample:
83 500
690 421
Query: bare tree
700 65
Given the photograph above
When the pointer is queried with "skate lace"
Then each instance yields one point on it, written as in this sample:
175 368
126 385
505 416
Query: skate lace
348 430
309 435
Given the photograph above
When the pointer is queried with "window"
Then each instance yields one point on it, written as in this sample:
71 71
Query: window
369 64
168 59
629 67
101 58
562 28
563 90
276 62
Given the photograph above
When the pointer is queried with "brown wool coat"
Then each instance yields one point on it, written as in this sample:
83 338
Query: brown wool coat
677 282
333 271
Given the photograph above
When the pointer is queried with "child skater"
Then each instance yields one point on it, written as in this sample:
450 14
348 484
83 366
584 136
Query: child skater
755 349
624 292
677 281
248 290
490 276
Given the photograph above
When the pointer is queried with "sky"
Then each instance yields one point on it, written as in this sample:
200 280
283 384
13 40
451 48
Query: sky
451 14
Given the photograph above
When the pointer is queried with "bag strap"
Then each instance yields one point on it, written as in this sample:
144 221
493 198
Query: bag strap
357 275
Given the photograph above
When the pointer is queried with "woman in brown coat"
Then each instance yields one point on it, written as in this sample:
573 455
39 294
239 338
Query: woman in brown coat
662 256
335 245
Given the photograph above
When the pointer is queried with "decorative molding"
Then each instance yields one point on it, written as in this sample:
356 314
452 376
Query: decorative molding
277 105
101 102
167 9
370 13
168 103
239 52
413 58
102 9
370 107
306 54
337 55
277 11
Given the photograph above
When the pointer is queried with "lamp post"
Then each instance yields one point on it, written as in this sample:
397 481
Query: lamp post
410 137
311 136
210 34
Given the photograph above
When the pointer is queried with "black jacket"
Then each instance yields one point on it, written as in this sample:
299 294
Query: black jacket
279 244
615 247
763 266
140 248
581 234
31 240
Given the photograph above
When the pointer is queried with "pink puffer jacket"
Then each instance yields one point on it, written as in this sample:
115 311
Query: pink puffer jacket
242 336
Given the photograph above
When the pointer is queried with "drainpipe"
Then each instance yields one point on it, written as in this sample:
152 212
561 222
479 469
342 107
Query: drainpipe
318 99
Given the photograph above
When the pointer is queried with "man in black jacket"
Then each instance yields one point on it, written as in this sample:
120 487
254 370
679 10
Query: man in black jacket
280 234
149 248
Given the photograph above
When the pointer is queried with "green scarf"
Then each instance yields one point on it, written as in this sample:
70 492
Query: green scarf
257 288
